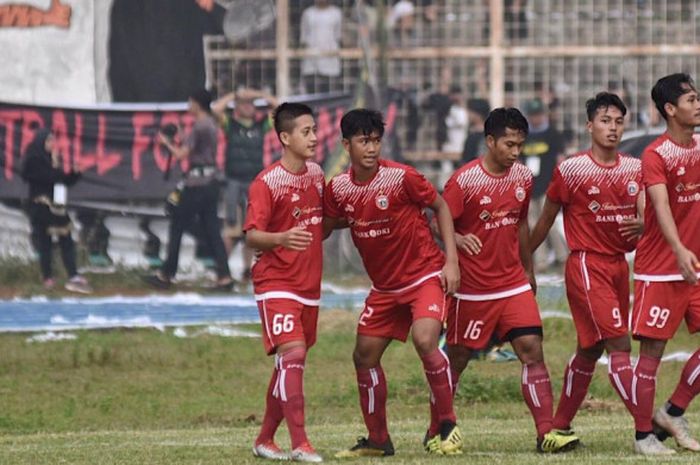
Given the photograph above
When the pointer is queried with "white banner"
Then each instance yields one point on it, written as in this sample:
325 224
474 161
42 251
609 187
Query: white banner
47 51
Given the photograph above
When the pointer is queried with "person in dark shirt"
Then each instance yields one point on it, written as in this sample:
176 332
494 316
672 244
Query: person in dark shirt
475 144
200 196
543 149
245 138
47 213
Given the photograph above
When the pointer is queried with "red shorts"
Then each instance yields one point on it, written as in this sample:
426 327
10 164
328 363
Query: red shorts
470 323
391 314
660 307
599 296
286 320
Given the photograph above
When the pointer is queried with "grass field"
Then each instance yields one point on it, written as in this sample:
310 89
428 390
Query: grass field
143 396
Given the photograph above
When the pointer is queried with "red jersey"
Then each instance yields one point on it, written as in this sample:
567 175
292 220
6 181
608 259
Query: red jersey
596 199
678 167
491 208
279 200
388 226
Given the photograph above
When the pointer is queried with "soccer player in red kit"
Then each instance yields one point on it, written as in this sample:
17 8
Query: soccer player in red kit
284 221
599 190
666 265
382 202
488 198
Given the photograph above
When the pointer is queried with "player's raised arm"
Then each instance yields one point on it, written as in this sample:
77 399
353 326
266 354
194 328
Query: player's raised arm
687 261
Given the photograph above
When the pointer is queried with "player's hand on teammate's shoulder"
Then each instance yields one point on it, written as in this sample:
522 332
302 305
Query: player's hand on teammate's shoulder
296 238
450 277
632 228
688 264
469 243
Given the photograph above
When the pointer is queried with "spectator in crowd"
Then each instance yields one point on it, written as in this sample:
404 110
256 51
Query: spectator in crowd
200 196
543 149
245 136
47 181
475 145
455 121
515 18
321 29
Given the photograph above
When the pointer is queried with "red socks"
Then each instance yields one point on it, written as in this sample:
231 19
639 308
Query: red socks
537 391
291 393
689 384
434 417
643 391
577 378
621 374
437 371
372 386
273 408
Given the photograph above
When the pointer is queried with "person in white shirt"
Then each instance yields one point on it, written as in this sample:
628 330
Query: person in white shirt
321 27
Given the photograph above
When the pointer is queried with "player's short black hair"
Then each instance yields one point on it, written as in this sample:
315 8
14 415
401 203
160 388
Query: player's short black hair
604 100
361 121
669 89
286 113
501 118
203 99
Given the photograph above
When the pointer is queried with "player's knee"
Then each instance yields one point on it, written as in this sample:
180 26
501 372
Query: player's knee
365 357
528 349
618 344
593 352
425 343
652 347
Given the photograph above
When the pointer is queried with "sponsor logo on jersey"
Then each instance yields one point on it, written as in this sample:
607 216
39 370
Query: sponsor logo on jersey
593 190
485 200
681 171
520 193
349 208
435 308
594 206
485 215
382 202
680 187
296 213
295 197
632 188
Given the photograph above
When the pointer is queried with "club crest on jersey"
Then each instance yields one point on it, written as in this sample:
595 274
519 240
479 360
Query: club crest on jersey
295 197
680 187
296 213
349 208
632 188
593 190
681 171
484 215
382 202
319 188
485 200
594 206
520 193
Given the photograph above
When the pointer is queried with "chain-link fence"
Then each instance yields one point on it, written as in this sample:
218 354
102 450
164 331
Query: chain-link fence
505 51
